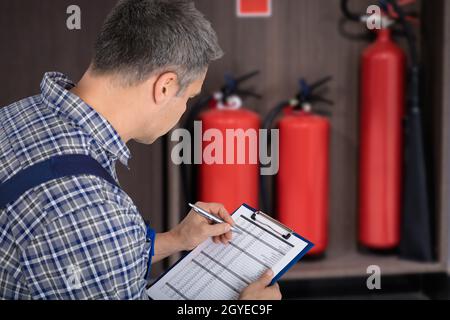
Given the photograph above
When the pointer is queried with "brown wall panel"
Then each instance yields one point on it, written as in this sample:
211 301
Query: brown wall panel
301 39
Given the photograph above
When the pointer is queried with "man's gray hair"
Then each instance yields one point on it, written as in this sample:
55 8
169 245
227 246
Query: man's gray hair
142 37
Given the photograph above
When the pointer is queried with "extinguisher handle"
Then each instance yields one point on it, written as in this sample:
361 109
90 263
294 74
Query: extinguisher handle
247 76
308 92
315 98
232 84
321 82
248 93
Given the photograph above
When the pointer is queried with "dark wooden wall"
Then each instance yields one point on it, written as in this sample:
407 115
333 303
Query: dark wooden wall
445 140
434 84
301 39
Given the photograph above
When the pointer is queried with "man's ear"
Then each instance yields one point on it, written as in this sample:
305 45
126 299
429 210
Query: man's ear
165 87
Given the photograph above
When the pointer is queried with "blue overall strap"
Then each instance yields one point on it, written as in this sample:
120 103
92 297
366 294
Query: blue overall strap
151 236
51 169
55 168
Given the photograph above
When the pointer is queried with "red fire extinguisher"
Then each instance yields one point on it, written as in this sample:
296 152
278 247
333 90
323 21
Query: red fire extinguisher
233 177
380 169
303 178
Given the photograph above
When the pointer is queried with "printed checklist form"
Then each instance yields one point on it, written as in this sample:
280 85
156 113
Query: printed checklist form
220 272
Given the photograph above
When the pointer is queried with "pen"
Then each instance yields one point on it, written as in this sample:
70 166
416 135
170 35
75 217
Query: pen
212 217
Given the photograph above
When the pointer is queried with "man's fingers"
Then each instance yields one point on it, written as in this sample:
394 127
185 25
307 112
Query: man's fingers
220 239
223 213
219 210
227 237
274 292
217 229
266 278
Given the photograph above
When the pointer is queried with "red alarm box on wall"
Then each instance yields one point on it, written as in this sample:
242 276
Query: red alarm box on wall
254 8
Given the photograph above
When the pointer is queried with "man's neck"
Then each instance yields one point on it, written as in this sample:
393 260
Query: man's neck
107 100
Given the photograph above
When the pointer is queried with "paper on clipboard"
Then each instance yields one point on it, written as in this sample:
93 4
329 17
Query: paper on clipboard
220 272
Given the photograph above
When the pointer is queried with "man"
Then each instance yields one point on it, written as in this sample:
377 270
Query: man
81 237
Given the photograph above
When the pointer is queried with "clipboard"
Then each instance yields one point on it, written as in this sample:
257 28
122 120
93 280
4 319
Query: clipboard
270 226
286 235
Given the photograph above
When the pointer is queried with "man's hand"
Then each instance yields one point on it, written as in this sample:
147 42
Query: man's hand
195 229
260 290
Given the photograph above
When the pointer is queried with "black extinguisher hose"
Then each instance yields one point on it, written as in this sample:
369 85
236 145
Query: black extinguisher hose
412 46
409 33
347 13
416 201
268 124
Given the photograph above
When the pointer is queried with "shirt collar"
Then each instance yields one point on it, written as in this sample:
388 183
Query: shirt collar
55 88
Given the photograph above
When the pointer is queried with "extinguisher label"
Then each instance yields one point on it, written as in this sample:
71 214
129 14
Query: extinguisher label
254 8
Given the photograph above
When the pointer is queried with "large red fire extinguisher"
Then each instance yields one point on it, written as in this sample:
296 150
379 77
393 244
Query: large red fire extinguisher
303 179
380 166
394 206
231 178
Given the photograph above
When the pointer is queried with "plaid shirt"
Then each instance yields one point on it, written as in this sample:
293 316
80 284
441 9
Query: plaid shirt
78 237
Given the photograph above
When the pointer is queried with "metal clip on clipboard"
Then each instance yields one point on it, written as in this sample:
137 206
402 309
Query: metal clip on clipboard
286 235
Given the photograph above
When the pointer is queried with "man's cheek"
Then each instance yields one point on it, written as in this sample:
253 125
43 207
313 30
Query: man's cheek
183 110
180 111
